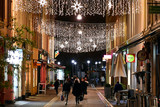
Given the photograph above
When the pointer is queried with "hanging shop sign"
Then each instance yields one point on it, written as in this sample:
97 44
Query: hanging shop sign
56 53
154 9
142 55
106 57
130 58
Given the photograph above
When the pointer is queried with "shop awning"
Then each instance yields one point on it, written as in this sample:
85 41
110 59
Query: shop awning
153 31
56 66
119 67
113 65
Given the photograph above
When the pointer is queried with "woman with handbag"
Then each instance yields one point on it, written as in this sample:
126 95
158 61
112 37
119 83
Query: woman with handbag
66 89
77 91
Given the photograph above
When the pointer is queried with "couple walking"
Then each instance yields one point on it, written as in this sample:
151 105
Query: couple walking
77 90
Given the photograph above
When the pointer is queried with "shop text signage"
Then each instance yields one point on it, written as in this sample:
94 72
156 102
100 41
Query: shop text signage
106 57
130 57
154 9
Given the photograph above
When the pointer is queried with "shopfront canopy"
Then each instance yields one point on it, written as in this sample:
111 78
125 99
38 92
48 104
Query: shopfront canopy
119 70
56 66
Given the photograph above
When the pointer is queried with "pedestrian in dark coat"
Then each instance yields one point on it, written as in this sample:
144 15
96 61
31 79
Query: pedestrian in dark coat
56 85
66 89
77 91
84 87
117 88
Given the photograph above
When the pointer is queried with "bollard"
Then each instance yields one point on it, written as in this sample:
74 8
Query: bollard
132 103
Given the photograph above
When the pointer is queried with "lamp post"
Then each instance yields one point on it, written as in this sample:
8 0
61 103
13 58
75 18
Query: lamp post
96 65
88 64
75 63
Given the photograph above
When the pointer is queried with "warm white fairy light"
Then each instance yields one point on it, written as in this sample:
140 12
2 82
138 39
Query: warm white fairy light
79 48
62 46
43 2
78 42
66 42
80 32
95 36
94 46
77 6
83 7
109 5
91 40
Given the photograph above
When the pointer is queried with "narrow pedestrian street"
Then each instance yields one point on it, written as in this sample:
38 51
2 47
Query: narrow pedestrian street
108 48
90 100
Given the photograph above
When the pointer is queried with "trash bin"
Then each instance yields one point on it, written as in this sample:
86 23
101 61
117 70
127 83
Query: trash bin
130 94
132 102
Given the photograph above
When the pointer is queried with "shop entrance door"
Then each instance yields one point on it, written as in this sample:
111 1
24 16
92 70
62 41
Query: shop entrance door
158 77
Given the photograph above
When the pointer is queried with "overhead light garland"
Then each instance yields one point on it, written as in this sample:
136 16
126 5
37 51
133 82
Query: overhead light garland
82 7
73 37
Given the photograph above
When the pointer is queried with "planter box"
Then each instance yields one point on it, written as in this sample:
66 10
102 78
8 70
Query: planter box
107 91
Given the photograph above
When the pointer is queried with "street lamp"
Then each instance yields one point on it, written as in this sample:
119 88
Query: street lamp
59 63
88 61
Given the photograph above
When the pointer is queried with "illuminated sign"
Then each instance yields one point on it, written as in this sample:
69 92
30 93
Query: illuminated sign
60 74
56 53
130 57
15 57
106 57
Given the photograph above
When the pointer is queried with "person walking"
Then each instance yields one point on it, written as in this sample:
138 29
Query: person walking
56 85
117 88
66 89
84 87
102 80
77 91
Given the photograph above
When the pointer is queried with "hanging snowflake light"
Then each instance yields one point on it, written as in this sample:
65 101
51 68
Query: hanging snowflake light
77 6
66 42
62 46
94 46
43 2
78 42
79 48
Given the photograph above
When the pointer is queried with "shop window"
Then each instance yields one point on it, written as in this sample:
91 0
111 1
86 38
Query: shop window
2 10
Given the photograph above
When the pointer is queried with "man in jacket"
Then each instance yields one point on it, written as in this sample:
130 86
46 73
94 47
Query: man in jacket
66 89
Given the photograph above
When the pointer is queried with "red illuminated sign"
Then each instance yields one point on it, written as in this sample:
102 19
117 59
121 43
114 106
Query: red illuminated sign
130 57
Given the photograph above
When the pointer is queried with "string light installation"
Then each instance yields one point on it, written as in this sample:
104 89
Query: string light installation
73 37
75 7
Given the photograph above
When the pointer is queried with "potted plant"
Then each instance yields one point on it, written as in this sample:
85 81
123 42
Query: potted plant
51 84
107 90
